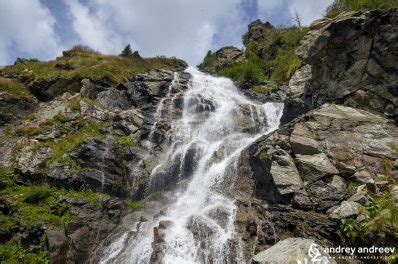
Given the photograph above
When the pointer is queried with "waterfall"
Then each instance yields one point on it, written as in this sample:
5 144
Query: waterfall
217 123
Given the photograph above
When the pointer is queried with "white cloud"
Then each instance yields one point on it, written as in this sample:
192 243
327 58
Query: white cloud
308 10
91 28
181 28
26 27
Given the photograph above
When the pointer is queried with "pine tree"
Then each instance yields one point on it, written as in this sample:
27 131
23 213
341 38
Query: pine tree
127 51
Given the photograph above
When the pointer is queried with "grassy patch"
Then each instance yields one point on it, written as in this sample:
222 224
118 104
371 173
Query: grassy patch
6 177
70 141
124 141
340 6
344 156
11 253
36 204
262 89
137 204
28 131
14 88
79 63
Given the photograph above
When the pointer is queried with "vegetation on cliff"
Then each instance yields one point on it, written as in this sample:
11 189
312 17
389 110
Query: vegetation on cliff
81 62
340 6
269 56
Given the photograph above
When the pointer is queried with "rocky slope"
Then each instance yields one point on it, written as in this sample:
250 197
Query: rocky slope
329 174
70 146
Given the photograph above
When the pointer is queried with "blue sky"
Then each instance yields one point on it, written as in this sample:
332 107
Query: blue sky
181 28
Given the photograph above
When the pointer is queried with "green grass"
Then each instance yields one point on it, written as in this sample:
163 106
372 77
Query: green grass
137 204
72 140
36 204
124 141
245 72
11 253
79 64
6 177
340 6
14 88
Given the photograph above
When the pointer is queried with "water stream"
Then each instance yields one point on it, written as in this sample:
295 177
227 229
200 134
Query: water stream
217 123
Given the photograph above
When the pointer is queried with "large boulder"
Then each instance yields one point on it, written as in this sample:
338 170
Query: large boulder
293 250
354 60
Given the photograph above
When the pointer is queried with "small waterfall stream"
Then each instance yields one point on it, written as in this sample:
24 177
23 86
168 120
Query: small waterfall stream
216 125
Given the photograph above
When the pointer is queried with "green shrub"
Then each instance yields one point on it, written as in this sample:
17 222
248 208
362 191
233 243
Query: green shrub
37 194
350 227
245 72
207 61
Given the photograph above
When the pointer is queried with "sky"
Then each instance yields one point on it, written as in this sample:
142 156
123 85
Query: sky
186 29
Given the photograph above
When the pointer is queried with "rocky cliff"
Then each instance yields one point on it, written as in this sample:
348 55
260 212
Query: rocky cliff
82 138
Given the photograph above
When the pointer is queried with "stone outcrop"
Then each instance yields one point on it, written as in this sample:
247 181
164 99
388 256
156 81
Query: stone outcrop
353 61
222 58
292 250
306 166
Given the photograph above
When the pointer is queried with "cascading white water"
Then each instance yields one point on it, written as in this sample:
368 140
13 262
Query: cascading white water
217 123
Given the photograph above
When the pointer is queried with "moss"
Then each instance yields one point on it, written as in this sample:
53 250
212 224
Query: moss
11 253
29 117
263 155
14 88
343 156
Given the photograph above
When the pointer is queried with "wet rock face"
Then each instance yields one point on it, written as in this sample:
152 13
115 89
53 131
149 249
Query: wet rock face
305 166
354 61
105 166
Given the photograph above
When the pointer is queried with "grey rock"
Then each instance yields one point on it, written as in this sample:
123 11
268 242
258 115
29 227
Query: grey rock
57 244
104 160
324 195
345 210
284 173
353 60
315 166
303 142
